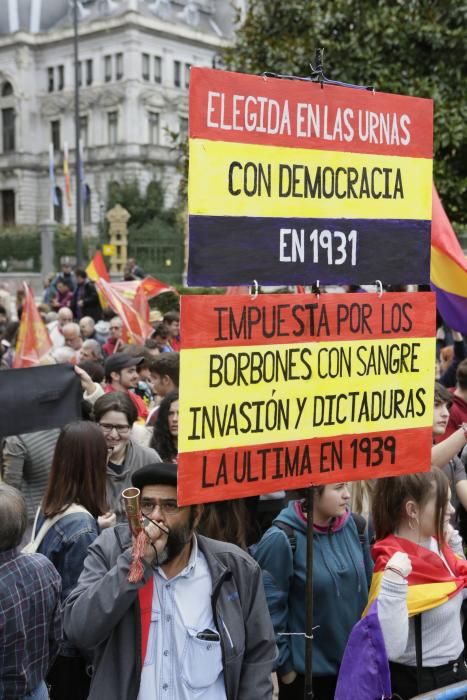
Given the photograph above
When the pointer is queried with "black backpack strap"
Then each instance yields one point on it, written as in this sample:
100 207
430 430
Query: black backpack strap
360 523
418 650
289 531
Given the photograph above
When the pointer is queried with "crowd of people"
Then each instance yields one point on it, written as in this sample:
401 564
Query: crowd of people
218 608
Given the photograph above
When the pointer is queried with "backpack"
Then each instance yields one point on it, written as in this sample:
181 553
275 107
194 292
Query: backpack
359 521
35 542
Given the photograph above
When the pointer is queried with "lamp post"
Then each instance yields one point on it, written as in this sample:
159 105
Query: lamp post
79 184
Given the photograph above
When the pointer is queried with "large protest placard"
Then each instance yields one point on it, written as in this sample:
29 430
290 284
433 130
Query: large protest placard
290 183
290 390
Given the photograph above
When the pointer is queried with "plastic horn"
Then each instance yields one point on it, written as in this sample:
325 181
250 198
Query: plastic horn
132 509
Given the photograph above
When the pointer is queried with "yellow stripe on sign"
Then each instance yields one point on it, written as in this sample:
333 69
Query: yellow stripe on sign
231 179
258 394
446 274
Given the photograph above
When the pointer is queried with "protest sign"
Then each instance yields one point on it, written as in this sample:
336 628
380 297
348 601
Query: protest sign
285 391
290 183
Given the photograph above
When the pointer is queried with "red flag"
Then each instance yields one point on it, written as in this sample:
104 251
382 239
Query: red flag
136 326
33 338
141 305
97 269
152 287
138 292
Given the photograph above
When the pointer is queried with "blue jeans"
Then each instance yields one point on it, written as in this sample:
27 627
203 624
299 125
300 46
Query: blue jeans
40 693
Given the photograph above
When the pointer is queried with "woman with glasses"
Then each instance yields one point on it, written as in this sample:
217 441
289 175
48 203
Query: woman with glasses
165 436
115 413
76 480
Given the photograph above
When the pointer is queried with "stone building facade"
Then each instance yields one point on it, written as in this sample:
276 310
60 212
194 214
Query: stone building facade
135 58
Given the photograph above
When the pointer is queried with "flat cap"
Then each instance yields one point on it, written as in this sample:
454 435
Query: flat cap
120 360
158 473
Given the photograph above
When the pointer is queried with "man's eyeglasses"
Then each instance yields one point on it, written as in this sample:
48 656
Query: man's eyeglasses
114 328
108 427
169 507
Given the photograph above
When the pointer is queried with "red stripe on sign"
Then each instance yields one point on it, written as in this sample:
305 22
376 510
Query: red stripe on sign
250 109
218 475
225 321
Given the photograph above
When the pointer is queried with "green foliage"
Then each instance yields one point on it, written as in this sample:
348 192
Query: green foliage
20 243
142 207
411 47
23 243
65 245
155 234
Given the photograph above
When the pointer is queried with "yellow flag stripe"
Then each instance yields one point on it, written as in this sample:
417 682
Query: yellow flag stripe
420 597
446 274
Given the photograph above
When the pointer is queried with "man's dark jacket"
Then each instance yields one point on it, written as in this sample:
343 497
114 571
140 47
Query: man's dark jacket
87 293
105 611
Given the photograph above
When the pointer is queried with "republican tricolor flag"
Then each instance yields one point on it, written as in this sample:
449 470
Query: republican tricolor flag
364 671
448 269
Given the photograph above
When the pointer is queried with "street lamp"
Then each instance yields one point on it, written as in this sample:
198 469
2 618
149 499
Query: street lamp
79 229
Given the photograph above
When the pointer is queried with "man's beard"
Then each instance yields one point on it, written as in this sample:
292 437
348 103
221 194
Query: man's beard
177 538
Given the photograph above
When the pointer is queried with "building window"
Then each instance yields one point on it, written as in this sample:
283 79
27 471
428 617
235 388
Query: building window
55 134
183 127
8 208
107 68
157 69
187 74
145 66
87 204
153 120
7 89
50 80
177 73
112 122
89 76
8 129
61 77
58 205
119 66
84 131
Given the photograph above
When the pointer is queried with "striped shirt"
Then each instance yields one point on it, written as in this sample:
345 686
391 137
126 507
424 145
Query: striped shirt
31 624
27 460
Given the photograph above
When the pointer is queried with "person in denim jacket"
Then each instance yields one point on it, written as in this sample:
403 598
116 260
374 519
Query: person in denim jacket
77 476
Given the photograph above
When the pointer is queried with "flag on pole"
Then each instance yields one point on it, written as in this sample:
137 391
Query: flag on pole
52 182
448 269
33 338
66 175
97 269
137 328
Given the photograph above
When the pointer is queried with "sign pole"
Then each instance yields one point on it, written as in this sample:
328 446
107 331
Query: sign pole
309 600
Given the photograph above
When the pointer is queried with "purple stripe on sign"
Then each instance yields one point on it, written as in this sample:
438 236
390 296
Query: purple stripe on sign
453 309
226 250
